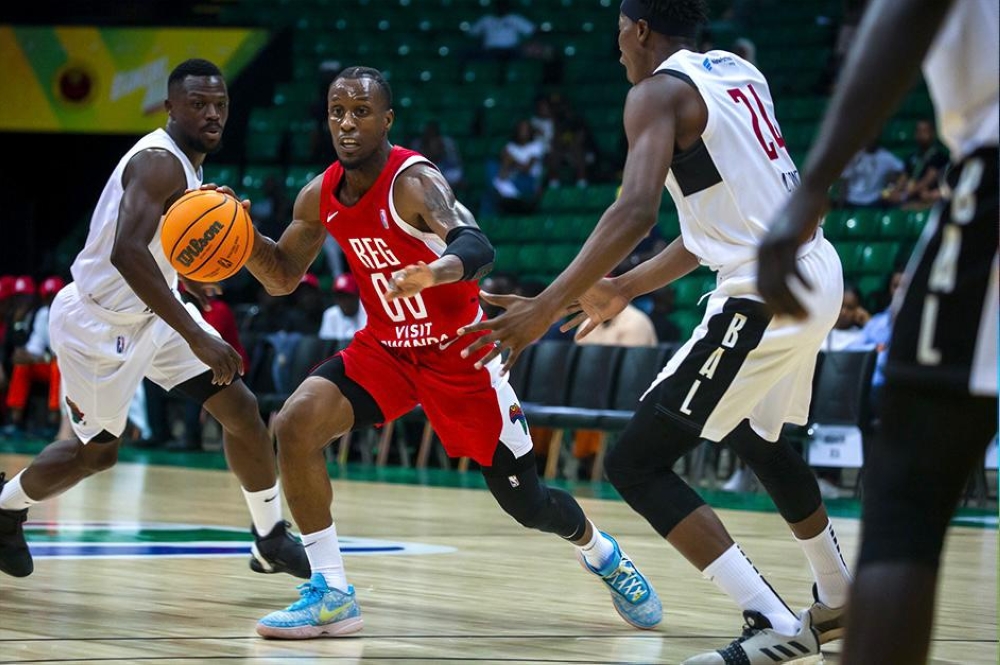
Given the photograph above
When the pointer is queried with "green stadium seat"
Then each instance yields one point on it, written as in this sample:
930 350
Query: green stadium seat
532 258
834 224
861 224
915 222
222 174
264 146
298 177
871 286
849 253
563 199
687 320
877 257
557 257
893 225
253 179
688 290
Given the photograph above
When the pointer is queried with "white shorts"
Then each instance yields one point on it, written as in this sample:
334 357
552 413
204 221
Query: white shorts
103 357
741 363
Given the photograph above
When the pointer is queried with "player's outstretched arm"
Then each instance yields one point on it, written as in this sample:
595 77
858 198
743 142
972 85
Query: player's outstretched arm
892 41
651 111
425 201
279 265
609 296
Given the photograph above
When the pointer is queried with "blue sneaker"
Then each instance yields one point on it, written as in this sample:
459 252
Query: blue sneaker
320 612
634 598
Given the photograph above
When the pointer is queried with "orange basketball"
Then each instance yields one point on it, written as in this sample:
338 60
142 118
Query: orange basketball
207 235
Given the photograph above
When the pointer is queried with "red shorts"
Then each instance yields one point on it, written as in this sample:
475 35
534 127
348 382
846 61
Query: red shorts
470 409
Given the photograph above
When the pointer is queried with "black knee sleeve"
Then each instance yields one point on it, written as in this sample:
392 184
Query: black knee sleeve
640 466
782 471
515 485
916 471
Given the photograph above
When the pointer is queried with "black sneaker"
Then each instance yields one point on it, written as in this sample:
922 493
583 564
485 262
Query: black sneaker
15 558
278 552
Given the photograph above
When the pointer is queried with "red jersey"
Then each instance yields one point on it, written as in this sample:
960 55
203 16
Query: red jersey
377 242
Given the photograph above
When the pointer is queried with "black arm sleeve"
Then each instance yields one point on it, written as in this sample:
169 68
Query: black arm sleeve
473 249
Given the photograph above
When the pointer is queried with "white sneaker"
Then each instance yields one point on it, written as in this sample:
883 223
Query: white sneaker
760 644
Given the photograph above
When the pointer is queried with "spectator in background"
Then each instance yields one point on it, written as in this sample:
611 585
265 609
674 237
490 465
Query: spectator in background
573 147
864 181
346 316
876 334
19 322
846 333
917 187
519 178
442 151
847 330
501 32
306 313
34 362
6 299
543 120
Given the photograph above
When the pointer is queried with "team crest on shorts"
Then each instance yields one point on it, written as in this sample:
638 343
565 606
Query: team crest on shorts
75 413
517 415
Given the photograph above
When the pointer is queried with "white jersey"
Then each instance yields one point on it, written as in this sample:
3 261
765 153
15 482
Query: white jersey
96 279
729 185
962 70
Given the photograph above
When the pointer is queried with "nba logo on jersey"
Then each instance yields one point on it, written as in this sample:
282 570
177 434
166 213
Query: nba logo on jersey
384 218
120 344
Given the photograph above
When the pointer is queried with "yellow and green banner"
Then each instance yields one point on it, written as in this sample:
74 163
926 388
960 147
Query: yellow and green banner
105 80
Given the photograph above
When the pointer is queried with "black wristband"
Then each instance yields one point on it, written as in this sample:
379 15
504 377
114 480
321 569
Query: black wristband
473 249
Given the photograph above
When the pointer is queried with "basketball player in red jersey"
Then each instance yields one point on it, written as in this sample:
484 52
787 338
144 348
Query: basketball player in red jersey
417 255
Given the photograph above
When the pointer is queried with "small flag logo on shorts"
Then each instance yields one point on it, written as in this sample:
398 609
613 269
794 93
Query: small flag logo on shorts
75 413
517 415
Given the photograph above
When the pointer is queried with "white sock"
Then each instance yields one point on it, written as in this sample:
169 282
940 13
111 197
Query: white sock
832 577
323 551
736 576
265 508
12 496
598 551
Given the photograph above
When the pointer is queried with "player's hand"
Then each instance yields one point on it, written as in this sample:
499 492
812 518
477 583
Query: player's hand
523 321
602 302
776 257
202 292
227 190
221 358
410 281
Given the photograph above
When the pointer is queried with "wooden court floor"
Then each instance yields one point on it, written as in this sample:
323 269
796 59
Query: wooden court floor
470 585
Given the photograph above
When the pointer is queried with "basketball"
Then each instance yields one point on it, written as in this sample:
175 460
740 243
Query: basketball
207 235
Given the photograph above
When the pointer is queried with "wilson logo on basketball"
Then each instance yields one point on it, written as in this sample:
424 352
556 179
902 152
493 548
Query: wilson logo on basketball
195 247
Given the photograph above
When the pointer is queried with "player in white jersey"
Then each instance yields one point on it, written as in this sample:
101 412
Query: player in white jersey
940 398
122 319
704 125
